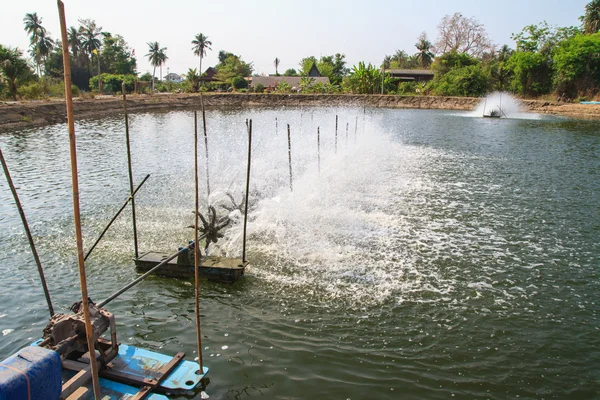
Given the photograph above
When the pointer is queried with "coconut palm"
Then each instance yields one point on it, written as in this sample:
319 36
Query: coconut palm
74 39
44 46
276 66
91 43
157 56
33 26
424 56
201 44
591 19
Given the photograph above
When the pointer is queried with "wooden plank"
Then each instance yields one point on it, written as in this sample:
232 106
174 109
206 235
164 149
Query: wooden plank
163 373
73 384
79 393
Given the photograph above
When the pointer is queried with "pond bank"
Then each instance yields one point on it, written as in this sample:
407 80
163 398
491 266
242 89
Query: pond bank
17 115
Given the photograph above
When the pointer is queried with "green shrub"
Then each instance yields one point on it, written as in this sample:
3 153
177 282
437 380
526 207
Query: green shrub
239 82
259 88
111 83
32 91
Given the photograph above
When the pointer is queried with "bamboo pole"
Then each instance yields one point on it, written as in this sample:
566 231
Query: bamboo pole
135 237
346 133
77 218
115 217
28 233
150 272
290 158
355 128
205 145
336 129
319 149
247 189
196 247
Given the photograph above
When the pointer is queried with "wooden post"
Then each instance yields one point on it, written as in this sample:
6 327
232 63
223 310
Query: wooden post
135 241
78 234
28 233
346 133
364 113
196 247
276 127
247 189
205 146
355 128
319 149
290 158
336 126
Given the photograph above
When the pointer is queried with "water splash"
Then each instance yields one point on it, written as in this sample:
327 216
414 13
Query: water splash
504 104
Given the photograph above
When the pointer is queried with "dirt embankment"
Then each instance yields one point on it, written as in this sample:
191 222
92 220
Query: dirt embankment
16 115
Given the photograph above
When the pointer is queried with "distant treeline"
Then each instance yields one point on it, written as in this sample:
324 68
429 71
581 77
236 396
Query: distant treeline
558 61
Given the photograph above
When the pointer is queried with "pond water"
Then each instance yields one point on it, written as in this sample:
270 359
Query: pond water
428 255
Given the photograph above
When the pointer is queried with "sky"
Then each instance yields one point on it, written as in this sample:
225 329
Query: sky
261 30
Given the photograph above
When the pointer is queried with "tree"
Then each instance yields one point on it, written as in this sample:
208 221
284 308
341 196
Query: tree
232 67
276 66
591 19
194 79
43 47
201 44
577 65
290 72
387 62
33 26
90 42
499 73
531 73
74 40
157 56
13 69
401 60
363 79
116 57
452 60
424 57
471 80
223 55
461 34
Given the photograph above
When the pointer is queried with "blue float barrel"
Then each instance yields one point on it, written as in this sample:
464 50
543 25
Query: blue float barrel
32 373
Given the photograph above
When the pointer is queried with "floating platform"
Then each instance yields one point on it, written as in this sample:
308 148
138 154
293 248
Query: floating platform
133 373
221 269
134 368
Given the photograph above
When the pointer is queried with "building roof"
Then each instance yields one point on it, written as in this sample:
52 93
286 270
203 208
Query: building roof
172 75
410 72
314 71
293 81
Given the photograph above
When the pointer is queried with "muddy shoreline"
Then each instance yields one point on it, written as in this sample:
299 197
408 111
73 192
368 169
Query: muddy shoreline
19 115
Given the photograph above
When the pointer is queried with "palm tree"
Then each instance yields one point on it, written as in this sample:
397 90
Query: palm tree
276 66
90 42
194 79
33 26
591 19
44 46
201 44
424 56
74 39
157 56
12 68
